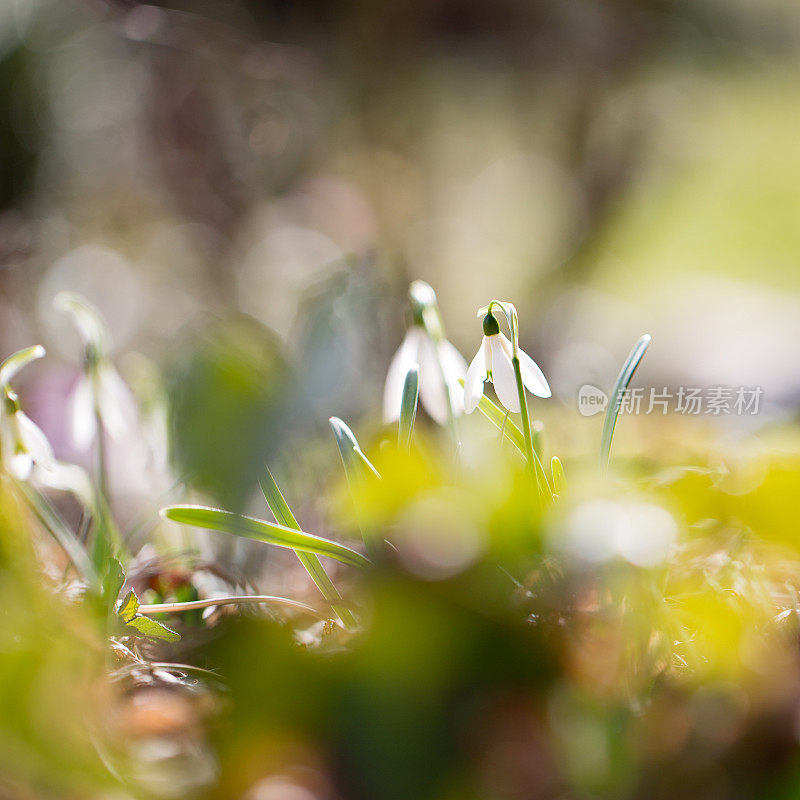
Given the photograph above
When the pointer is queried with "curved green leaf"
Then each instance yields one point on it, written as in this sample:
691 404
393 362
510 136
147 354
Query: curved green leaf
408 408
283 515
355 462
623 380
147 626
269 532
358 469
559 479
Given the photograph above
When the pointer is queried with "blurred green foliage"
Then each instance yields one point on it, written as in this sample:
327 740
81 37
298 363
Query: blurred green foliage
230 392
399 712
52 676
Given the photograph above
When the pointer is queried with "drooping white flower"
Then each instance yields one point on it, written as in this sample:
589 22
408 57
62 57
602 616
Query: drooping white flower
493 361
25 450
441 367
22 441
23 445
100 392
102 389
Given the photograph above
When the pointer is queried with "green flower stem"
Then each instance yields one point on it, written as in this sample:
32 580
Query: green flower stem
108 542
61 532
537 470
102 471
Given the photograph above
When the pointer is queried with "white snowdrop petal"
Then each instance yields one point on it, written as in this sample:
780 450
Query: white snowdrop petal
81 414
473 383
34 441
455 369
20 465
432 393
453 363
117 403
8 444
505 384
406 355
532 376
68 478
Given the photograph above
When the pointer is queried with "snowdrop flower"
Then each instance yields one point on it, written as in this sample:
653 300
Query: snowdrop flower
101 392
441 366
493 361
25 450
101 388
22 443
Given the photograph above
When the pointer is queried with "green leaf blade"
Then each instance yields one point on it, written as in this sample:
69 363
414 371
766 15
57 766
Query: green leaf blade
623 381
559 478
408 408
63 534
263 531
276 501
147 626
128 607
283 515
355 462
358 469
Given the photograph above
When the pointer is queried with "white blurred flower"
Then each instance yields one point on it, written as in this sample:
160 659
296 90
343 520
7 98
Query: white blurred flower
26 452
493 362
101 388
599 530
101 392
22 442
441 367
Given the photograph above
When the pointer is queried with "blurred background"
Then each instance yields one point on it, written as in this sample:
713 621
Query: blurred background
614 167
245 189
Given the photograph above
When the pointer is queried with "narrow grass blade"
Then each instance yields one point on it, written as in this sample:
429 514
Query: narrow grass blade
408 408
358 469
61 532
623 380
537 435
269 532
283 515
107 542
352 455
559 479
